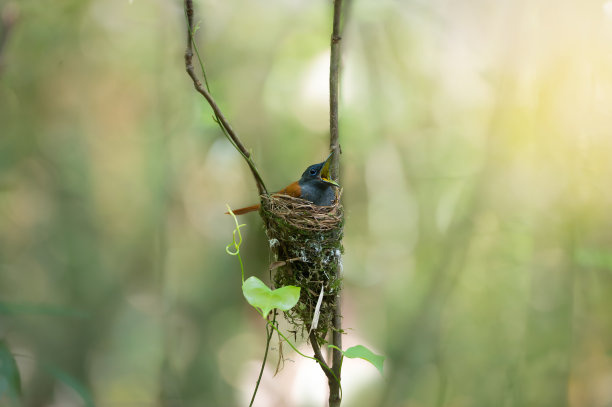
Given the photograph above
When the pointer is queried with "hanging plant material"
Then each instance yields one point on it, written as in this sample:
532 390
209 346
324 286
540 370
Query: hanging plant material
306 241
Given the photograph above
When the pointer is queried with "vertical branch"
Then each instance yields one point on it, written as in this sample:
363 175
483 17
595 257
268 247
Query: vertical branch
220 118
319 358
335 393
334 70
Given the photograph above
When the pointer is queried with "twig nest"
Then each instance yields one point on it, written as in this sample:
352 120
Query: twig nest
306 240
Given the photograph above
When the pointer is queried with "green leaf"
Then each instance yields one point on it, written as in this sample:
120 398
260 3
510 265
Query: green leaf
10 381
261 296
71 382
364 353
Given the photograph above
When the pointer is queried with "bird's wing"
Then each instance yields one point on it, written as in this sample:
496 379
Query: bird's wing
292 189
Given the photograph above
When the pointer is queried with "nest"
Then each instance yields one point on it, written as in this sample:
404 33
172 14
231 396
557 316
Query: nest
306 240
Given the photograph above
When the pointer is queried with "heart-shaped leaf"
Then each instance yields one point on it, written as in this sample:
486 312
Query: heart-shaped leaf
364 353
261 296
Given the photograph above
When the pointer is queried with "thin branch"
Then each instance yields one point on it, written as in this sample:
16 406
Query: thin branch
220 118
334 70
269 332
329 373
335 391
319 357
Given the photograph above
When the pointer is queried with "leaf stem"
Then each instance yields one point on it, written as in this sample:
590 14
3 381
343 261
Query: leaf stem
269 333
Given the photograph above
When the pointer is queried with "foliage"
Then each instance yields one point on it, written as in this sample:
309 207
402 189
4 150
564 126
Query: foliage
261 296
360 351
476 171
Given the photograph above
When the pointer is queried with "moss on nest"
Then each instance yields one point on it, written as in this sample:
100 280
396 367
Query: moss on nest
306 240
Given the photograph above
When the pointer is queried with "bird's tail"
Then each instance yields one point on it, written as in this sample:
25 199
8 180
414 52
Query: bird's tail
242 211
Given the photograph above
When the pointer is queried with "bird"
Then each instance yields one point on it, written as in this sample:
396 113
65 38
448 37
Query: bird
315 186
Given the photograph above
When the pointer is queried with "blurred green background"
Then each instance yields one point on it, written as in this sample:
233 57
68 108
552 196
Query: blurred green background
476 167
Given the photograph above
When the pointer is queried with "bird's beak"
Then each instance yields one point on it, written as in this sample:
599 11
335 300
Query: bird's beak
324 174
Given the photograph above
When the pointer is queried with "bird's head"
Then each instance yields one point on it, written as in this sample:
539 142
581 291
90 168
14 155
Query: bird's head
319 172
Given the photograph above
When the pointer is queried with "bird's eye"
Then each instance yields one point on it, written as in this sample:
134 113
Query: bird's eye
313 171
